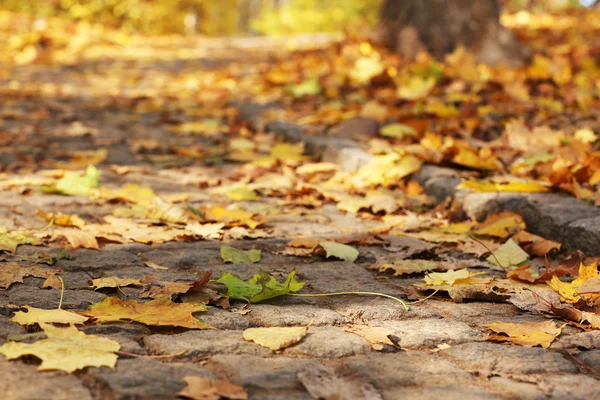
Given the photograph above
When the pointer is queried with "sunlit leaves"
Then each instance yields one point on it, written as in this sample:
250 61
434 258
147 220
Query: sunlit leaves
9 241
515 186
569 291
75 183
454 277
526 333
40 316
66 349
158 312
339 250
508 255
275 338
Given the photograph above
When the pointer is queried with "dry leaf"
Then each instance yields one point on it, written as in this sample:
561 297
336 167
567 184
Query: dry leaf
198 388
501 225
159 312
41 316
66 349
527 333
377 336
12 273
275 338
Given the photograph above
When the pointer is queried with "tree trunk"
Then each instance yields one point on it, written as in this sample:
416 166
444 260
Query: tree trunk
440 26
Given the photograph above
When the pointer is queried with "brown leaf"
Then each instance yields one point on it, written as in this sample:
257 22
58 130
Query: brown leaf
199 388
12 273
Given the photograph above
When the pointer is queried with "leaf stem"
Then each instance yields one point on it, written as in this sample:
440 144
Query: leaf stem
350 293
62 292
488 249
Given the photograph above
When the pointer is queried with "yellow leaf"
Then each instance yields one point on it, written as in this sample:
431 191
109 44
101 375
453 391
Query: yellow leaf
508 255
416 88
77 238
114 282
41 316
159 312
366 68
456 277
9 241
515 186
130 193
163 211
231 217
66 349
586 135
61 219
398 131
376 336
339 250
205 230
275 338
527 333
479 160
569 290
501 225
386 170
402 267
241 193
199 388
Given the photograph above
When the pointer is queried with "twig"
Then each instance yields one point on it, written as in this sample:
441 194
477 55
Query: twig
62 292
357 293
578 361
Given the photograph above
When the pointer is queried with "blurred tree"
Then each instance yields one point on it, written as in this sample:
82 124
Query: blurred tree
440 26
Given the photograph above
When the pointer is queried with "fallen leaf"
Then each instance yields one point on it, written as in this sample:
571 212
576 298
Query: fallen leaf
456 277
526 333
66 349
163 211
569 290
536 245
154 288
405 267
339 250
14 273
516 186
77 238
41 316
198 388
154 265
501 225
9 241
61 219
114 282
377 336
309 87
241 193
416 88
75 183
398 131
159 312
508 255
231 217
236 256
275 338
261 286
130 193
322 382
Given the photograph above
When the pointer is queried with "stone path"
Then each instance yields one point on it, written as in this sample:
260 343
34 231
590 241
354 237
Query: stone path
441 349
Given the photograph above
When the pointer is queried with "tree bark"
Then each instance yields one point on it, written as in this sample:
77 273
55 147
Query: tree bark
440 26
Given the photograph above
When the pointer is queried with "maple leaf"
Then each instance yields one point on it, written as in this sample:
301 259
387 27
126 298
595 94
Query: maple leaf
41 316
9 241
12 273
569 291
236 256
74 183
199 388
386 170
275 338
66 349
500 225
261 286
527 333
454 277
339 250
205 230
154 288
159 312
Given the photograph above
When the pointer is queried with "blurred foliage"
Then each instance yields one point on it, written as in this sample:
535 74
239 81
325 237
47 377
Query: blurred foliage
210 17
